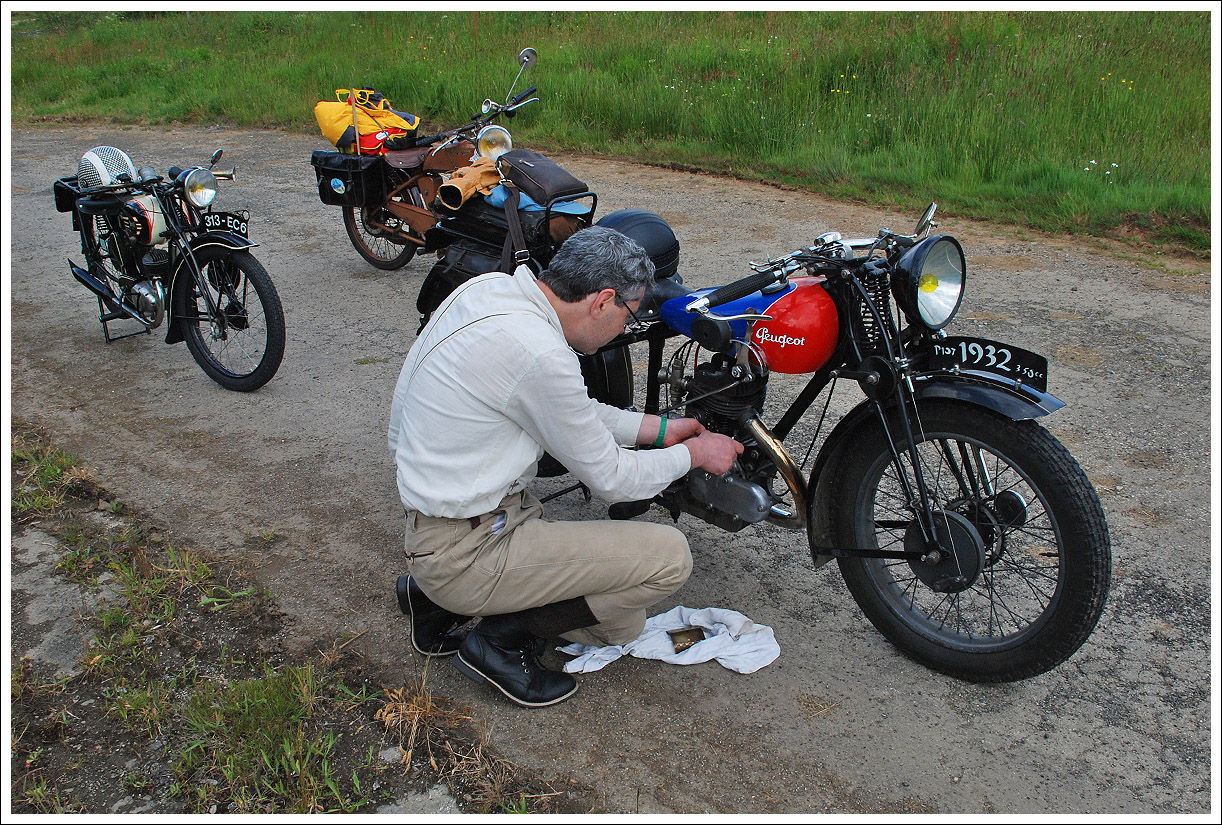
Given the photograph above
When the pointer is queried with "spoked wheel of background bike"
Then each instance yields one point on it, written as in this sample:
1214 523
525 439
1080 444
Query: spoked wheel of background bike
1026 557
371 241
243 351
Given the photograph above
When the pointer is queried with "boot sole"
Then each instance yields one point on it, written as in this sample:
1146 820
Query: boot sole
473 673
405 606
442 655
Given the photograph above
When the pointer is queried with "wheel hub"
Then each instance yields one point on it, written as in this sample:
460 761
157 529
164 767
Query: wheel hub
952 562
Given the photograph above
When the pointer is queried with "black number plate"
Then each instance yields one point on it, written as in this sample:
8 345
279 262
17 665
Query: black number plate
227 221
982 355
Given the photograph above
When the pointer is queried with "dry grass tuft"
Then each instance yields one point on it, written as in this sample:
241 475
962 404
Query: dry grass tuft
420 718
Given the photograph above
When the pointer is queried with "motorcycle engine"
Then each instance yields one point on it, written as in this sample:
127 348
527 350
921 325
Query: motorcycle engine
727 400
149 299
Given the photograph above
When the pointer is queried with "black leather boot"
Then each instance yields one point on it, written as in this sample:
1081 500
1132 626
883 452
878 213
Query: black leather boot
503 651
432 630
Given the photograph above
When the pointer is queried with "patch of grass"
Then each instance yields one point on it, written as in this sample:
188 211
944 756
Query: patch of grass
418 718
34 793
250 743
42 477
1085 122
182 679
24 682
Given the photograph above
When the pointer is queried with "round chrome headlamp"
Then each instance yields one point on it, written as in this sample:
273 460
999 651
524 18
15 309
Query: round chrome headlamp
928 281
200 187
493 141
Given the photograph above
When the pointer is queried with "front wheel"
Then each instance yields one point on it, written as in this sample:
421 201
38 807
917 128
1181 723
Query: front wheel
1028 573
241 347
371 241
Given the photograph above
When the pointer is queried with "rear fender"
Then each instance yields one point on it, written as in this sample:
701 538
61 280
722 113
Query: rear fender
181 277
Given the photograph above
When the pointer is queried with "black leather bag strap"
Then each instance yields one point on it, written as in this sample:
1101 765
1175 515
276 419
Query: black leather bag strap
514 252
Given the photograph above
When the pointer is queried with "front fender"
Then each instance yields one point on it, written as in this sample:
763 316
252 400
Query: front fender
181 276
1001 395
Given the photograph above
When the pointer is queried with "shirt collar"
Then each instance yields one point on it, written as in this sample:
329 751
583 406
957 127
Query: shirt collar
528 285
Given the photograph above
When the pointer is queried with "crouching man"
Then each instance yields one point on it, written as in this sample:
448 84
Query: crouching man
492 382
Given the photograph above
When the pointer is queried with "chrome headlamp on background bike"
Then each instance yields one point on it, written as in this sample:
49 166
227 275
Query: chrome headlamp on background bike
967 534
155 250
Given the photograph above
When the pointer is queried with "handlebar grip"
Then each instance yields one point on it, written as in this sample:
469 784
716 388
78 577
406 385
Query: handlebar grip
740 289
429 139
520 97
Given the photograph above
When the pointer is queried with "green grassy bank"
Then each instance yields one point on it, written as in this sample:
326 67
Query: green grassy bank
1081 122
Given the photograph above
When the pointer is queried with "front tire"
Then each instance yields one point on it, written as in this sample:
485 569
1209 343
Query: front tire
1036 526
243 352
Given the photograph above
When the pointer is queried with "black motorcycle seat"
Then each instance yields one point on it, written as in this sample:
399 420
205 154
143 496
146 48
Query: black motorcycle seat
100 205
658 294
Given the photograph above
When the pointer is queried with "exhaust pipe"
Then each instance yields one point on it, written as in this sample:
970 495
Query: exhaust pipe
789 472
118 309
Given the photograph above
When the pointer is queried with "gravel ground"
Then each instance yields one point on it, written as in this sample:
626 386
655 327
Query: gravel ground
841 722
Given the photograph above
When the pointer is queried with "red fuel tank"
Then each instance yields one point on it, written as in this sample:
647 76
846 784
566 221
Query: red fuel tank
803 331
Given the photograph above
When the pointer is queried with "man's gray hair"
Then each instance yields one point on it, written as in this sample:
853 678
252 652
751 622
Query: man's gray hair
598 258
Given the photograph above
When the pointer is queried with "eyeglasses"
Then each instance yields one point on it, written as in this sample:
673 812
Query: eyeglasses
636 324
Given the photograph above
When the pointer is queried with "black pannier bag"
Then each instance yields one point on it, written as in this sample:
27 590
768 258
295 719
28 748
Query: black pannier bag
67 191
481 221
349 180
538 177
460 264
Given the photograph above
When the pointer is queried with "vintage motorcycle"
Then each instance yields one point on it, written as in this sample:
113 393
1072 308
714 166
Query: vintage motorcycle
967 534
154 247
389 198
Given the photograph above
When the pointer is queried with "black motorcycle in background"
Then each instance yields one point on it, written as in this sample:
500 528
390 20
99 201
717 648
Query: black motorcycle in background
153 247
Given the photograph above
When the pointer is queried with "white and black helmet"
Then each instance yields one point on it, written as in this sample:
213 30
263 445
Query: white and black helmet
102 165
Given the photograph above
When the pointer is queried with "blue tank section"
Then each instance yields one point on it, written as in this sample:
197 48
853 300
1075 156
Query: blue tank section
675 315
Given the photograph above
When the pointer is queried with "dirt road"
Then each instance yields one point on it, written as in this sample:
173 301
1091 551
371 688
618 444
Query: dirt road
295 482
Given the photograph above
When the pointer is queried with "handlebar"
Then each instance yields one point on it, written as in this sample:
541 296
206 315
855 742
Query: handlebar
733 291
519 98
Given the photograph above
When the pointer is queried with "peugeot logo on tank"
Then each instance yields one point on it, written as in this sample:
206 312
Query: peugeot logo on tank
765 336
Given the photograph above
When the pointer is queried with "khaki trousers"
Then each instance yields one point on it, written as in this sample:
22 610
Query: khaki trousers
493 565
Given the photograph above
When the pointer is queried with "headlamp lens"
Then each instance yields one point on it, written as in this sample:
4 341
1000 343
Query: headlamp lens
493 141
200 187
940 284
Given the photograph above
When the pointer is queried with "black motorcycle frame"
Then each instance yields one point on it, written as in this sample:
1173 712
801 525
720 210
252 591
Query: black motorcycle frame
890 384
173 273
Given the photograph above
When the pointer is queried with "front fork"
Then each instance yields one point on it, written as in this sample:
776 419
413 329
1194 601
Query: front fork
914 487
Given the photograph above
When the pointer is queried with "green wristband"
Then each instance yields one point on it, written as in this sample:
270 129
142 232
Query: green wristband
657 442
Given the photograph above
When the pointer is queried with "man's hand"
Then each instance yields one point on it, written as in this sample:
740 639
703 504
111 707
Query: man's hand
681 429
712 451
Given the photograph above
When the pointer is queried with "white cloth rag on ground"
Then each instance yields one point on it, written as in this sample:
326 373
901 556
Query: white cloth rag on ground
731 638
